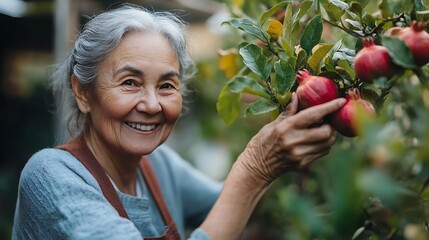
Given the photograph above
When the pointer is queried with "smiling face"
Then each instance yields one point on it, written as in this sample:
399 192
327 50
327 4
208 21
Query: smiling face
138 97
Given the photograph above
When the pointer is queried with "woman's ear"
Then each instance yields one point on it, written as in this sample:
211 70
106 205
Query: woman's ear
80 94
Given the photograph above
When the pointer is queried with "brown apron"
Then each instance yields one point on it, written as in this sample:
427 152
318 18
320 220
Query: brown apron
78 148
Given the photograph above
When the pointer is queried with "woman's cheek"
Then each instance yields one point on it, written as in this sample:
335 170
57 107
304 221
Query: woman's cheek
119 104
172 106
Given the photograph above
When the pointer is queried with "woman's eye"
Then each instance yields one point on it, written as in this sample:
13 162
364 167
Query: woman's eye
128 82
167 86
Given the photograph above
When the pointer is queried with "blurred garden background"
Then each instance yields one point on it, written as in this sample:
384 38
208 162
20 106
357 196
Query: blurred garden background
370 187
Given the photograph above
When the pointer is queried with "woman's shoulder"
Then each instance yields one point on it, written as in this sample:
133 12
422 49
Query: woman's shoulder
64 201
53 165
50 158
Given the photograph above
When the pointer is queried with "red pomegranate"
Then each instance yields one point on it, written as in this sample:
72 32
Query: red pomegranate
417 40
314 90
373 61
344 120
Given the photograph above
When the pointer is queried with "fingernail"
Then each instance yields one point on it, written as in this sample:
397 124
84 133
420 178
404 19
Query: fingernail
341 101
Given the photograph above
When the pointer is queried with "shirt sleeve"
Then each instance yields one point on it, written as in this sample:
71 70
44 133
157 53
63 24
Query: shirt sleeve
59 199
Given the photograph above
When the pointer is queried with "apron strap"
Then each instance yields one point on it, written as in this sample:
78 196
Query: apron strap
152 183
171 232
78 148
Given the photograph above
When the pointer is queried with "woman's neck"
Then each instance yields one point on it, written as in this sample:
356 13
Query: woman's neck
120 167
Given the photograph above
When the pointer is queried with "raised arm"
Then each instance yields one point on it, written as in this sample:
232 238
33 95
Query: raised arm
289 143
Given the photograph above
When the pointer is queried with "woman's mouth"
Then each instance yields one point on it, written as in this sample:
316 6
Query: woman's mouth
141 127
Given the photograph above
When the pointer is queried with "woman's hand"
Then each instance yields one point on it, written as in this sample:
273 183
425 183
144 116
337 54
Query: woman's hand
291 142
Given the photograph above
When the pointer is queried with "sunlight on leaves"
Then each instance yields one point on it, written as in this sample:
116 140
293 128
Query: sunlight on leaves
319 53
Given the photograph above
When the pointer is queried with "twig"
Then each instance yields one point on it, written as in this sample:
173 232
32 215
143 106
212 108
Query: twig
353 33
270 90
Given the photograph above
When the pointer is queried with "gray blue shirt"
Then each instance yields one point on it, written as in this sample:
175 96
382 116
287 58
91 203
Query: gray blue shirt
59 199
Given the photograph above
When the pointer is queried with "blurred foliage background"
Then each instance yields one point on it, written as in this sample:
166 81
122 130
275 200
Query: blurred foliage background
371 187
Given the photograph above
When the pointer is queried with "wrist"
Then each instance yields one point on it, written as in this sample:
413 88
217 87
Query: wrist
250 175
259 163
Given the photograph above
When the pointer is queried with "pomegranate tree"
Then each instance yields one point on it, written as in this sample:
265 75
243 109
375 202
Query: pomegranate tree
314 90
319 55
373 62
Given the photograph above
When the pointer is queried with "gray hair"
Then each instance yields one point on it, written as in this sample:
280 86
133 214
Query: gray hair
97 39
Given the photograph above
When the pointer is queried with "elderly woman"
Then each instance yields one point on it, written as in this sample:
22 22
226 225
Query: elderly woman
120 93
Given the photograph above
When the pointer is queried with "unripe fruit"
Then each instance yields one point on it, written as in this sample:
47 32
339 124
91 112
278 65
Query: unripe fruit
314 90
373 61
344 120
417 40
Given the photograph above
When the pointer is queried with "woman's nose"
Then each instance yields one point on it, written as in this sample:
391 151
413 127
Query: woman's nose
149 102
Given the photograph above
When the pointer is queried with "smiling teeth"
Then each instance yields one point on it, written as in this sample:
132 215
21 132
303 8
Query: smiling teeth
141 126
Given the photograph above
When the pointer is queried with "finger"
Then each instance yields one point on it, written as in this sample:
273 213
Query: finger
323 151
315 114
322 133
303 152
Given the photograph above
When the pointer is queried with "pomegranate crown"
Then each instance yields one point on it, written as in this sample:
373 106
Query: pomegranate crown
368 41
303 75
418 26
353 94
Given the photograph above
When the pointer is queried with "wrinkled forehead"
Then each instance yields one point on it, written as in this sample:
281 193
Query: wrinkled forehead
141 52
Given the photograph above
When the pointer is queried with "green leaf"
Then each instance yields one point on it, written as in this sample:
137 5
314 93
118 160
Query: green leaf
301 60
288 49
334 8
228 105
391 8
329 64
320 51
356 7
259 107
256 61
363 3
272 11
337 46
399 52
249 27
419 5
252 9
354 24
303 9
246 84
339 4
294 28
285 76
312 34
346 66
422 15
287 24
